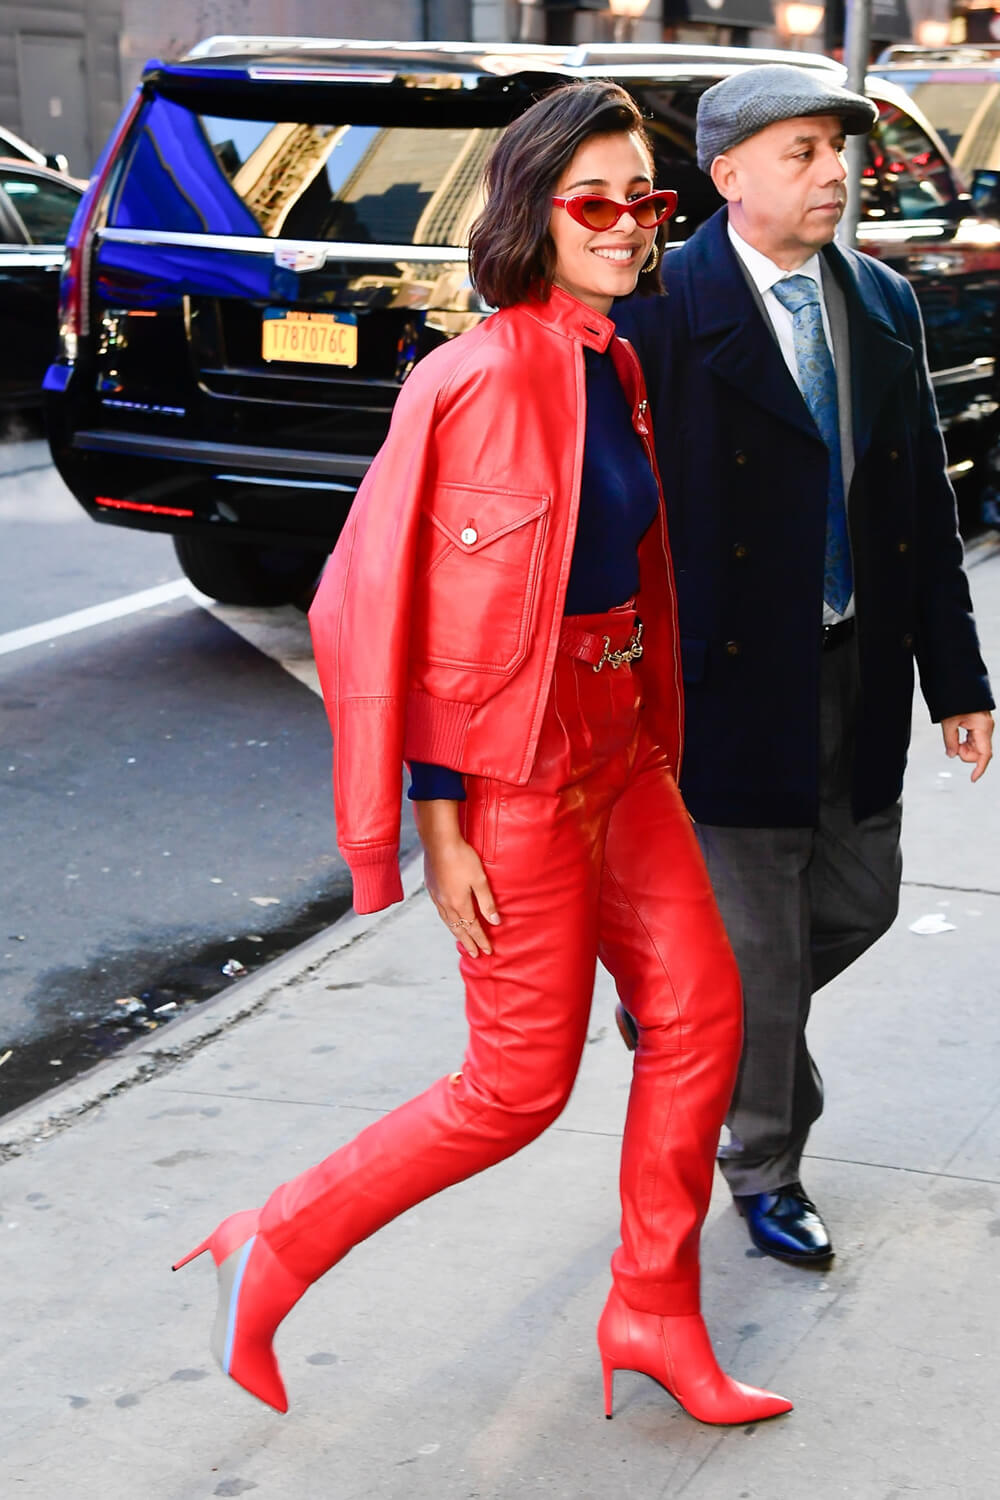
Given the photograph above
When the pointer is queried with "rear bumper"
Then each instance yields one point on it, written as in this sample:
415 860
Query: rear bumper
267 496
345 468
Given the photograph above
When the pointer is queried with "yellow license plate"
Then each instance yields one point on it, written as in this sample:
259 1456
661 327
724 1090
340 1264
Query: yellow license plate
303 338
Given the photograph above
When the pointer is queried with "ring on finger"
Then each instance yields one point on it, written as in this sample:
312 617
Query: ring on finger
462 922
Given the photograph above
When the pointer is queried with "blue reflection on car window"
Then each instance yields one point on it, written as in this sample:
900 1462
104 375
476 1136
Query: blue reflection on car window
304 180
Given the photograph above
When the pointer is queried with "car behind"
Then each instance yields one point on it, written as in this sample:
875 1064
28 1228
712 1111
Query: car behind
36 209
276 234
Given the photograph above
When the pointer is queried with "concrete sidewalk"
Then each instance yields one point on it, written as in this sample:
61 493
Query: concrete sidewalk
453 1356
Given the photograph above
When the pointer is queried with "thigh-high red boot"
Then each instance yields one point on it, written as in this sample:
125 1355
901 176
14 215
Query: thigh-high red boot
663 940
267 1260
528 1006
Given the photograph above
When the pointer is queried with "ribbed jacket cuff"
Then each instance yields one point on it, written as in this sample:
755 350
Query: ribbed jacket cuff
377 881
436 729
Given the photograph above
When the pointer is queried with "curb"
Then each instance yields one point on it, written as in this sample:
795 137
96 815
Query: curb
66 1105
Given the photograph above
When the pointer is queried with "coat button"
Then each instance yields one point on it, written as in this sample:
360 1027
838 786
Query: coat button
893 455
903 546
907 640
739 550
740 457
470 535
733 648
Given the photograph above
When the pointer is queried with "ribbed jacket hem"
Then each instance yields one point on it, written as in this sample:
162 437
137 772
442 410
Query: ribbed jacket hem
436 729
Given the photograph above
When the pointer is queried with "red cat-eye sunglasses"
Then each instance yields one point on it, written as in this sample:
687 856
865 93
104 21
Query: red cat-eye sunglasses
596 212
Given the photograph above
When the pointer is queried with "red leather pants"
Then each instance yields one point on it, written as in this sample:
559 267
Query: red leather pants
594 858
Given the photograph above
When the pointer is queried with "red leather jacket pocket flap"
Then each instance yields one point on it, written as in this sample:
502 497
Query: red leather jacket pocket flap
473 518
475 588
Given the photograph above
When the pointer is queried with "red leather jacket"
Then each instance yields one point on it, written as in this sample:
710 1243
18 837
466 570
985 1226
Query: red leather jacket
437 620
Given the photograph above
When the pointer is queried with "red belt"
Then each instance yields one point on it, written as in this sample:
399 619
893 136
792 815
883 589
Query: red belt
622 643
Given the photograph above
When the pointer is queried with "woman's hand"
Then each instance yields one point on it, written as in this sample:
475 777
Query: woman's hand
455 877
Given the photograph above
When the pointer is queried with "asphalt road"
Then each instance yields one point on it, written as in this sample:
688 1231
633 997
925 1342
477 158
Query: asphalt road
164 785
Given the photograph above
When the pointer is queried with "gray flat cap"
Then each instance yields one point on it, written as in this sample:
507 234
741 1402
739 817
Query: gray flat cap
753 98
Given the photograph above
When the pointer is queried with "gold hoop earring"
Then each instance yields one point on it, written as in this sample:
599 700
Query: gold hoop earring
653 262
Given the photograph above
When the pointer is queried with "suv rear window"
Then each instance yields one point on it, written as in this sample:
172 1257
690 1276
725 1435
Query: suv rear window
330 176
389 184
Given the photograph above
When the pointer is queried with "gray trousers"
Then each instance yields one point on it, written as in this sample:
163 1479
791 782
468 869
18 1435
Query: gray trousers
799 904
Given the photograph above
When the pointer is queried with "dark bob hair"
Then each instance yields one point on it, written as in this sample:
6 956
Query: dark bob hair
511 254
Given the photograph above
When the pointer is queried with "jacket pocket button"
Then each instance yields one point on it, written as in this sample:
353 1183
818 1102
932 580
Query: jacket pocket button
907 640
470 535
893 455
733 648
903 546
739 550
740 457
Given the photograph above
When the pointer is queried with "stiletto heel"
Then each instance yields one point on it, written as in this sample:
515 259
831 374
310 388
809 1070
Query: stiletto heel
230 1234
609 1386
255 1293
676 1352
192 1254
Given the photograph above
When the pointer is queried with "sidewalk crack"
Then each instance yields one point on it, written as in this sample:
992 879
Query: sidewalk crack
966 890
889 1166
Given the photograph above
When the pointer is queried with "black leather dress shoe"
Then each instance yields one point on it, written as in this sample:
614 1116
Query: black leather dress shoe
787 1225
627 1028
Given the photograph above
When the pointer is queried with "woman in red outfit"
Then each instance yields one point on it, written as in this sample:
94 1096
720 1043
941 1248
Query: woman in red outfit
480 619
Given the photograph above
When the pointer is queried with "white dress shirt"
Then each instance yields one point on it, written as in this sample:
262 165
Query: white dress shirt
764 274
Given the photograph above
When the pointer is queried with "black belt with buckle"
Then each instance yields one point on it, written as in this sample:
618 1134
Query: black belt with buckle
837 634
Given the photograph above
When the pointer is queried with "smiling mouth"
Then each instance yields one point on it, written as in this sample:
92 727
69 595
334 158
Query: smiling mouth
615 255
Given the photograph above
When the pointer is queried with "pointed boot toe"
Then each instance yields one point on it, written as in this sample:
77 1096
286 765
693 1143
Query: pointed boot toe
255 1368
255 1293
760 1404
677 1352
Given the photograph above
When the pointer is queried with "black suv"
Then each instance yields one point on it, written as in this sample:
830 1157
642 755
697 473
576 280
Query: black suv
275 235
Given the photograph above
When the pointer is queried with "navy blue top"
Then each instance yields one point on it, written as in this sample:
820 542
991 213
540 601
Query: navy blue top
618 502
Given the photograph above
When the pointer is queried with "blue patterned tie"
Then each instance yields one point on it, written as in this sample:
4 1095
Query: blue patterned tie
818 379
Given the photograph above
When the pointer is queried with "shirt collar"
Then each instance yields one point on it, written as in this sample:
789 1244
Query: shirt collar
763 272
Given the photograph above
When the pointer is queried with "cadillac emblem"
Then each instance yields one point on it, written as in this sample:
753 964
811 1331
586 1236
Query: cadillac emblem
291 259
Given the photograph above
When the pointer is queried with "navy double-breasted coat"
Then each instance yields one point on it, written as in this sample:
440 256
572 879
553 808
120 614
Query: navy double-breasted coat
745 478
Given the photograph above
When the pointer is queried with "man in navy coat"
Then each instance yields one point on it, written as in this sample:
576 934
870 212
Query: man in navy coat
815 542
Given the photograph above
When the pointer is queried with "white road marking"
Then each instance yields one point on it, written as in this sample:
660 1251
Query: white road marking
282 634
99 614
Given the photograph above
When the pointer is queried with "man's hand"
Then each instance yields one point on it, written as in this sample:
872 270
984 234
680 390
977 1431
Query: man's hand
977 746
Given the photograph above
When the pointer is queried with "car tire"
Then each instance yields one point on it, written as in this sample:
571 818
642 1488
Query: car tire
237 573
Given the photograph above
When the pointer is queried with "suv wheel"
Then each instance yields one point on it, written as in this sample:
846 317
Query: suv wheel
236 573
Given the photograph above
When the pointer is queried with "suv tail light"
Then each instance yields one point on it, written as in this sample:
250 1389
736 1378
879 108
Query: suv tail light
74 285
